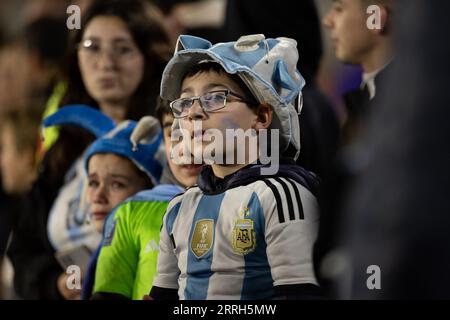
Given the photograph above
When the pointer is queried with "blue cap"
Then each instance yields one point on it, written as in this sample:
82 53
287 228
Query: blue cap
82 116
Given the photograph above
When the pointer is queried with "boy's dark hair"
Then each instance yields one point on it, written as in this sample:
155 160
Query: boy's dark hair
162 109
217 68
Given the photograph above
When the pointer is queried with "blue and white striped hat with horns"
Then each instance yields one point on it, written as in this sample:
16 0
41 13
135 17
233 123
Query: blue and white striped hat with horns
139 142
267 66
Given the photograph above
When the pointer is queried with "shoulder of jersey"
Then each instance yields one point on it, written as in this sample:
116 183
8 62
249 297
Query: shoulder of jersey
293 201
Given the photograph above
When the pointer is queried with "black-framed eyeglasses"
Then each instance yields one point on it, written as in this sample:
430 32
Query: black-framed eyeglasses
209 102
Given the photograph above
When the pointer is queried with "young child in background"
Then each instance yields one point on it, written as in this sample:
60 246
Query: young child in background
127 261
116 167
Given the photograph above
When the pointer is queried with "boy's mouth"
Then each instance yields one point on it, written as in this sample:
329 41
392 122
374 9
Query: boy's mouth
99 215
192 169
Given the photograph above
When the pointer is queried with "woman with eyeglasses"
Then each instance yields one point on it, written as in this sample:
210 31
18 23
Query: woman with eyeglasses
114 64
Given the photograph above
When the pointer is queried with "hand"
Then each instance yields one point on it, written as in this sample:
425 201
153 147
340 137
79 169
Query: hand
68 294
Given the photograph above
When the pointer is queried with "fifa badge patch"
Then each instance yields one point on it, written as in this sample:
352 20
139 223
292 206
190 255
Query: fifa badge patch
202 237
244 237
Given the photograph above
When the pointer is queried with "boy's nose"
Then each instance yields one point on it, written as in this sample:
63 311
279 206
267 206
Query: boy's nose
196 112
100 195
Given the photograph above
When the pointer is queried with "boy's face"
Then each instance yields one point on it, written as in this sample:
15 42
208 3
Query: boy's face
347 22
235 115
111 180
17 167
186 174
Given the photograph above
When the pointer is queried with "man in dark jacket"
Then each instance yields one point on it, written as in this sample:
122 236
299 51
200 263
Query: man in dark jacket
358 42
398 213
366 40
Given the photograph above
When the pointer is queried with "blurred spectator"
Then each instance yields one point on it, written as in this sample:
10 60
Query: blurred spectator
356 44
19 157
30 65
319 125
115 63
98 68
398 211
14 74
372 49
19 132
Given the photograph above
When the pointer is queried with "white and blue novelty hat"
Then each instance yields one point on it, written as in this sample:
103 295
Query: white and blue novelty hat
267 66
118 139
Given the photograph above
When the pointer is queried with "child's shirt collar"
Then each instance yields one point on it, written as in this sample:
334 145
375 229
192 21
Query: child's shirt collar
210 184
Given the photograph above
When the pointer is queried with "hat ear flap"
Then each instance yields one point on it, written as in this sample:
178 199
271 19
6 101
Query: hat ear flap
186 42
145 131
282 77
249 42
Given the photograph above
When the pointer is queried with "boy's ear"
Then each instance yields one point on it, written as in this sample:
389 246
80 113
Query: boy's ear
264 114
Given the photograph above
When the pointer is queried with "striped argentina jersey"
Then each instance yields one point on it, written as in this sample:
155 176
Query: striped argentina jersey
240 243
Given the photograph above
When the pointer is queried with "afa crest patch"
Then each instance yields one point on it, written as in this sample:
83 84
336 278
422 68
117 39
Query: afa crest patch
110 228
202 237
243 239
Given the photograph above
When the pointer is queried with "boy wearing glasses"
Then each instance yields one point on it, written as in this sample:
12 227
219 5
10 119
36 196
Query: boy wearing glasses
238 234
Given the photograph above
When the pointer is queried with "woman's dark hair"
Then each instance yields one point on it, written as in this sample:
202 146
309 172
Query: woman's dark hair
145 24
